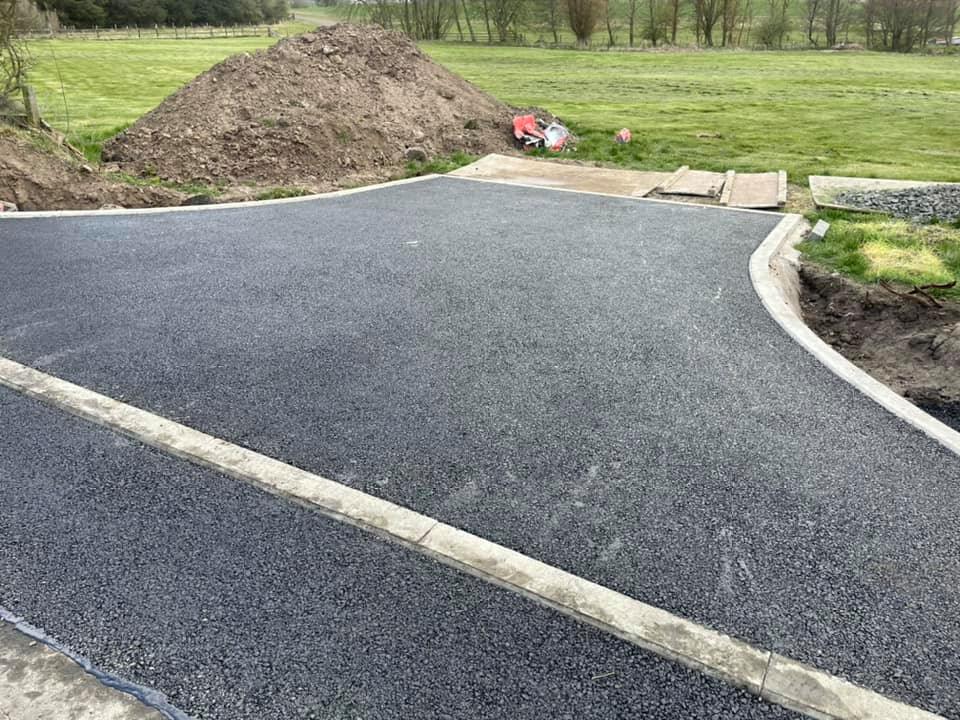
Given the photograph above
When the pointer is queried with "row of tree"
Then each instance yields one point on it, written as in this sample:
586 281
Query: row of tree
899 25
146 13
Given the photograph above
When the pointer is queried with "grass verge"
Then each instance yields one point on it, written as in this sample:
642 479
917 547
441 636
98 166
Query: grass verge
873 248
278 193
438 165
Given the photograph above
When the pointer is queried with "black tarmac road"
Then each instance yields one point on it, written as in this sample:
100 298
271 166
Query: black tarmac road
590 381
240 606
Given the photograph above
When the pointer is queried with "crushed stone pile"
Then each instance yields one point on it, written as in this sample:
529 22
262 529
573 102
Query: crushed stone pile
341 105
920 204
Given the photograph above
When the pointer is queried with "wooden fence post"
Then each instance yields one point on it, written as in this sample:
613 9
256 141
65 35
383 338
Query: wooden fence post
31 105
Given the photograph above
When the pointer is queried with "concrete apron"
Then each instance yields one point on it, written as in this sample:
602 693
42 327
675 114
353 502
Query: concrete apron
39 683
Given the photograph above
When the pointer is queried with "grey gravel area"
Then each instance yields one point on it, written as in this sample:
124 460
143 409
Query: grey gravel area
591 381
948 413
238 605
921 204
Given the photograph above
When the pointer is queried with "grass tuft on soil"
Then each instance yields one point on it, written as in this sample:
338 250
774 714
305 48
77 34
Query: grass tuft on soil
439 166
279 193
871 248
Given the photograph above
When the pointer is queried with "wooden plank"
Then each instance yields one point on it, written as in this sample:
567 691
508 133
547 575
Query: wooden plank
698 183
756 190
544 173
781 188
675 178
727 187
32 108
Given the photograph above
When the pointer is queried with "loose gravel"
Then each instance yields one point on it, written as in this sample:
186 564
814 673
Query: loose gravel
920 204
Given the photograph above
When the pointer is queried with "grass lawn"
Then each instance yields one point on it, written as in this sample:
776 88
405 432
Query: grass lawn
809 113
871 248
865 114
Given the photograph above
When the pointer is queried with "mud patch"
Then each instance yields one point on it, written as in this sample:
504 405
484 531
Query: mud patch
912 348
339 106
35 177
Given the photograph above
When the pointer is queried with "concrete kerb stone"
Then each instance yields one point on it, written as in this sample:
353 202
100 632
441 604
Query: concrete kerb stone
649 627
41 681
815 694
774 273
26 215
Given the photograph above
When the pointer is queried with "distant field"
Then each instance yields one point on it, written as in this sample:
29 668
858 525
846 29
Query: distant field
864 114
108 84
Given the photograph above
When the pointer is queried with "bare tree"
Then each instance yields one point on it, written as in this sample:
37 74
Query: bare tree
656 21
775 25
707 14
13 58
583 16
631 21
551 13
730 19
466 16
836 16
894 24
504 14
811 18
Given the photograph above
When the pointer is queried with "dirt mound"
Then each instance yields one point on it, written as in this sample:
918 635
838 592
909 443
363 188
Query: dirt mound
339 105
35 174
912 348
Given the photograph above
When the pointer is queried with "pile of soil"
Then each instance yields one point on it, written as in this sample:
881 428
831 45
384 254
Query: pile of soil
34 175
909 346
339 105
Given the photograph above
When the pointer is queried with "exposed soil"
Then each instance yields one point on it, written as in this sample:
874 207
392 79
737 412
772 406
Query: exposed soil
338 106
912 348
35 177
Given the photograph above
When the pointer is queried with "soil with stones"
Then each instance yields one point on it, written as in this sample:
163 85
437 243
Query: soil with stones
342 105
911 347
920 204
35 177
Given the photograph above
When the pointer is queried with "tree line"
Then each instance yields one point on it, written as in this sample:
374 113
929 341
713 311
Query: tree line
146 13
900 25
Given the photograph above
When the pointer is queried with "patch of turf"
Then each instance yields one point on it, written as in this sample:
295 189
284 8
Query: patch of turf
188 188
871 248
438 166
282 192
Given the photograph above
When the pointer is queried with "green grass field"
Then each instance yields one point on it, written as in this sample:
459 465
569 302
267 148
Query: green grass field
864 114
108 84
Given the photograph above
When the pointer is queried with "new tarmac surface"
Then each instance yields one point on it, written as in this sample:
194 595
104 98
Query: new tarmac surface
238 605
590 381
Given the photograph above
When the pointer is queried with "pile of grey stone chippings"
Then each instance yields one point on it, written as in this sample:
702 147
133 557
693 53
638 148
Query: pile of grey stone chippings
920 204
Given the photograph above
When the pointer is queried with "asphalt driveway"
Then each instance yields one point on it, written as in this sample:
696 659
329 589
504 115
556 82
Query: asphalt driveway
590 381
